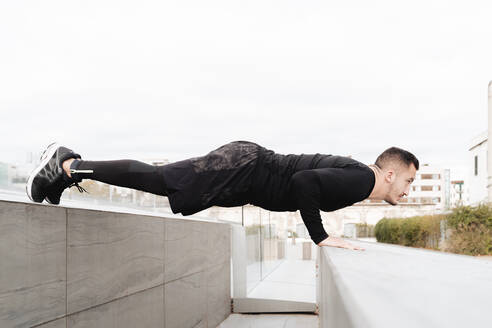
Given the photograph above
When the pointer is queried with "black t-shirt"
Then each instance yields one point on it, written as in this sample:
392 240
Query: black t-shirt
310 183
329 189
243 172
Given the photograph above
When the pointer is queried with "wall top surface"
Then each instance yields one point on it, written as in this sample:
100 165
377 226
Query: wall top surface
396 286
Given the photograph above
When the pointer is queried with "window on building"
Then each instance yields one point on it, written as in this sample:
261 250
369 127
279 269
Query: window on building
426 177
476 164
426 188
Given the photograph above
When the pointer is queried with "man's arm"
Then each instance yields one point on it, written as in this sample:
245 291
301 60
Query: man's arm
307 193
306 187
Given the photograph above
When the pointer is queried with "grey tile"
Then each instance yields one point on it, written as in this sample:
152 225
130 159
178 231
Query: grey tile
236 320
59 323
186 248
185 302
218 293
111 255
144 309
299 320
219 243
33 263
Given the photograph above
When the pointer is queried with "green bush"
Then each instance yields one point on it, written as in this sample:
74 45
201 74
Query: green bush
418 231
469 230
470 240
468 216
388 231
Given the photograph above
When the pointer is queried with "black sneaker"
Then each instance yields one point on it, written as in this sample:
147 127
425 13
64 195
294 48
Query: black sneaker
47 179
54 192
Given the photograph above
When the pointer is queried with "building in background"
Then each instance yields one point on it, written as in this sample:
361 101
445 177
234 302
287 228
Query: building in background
459 193
431 186
14 176
477 174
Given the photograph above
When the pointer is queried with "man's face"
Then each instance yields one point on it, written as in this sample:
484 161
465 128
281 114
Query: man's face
400 180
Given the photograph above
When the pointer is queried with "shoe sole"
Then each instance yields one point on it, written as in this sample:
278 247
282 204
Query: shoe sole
48 154
48 201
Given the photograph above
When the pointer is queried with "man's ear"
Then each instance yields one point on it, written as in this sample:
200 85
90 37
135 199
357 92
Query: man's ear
389 176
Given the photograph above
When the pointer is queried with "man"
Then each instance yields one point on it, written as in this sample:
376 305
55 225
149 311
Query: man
240 173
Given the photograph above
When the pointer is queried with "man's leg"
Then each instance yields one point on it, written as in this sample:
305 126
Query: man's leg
124 173
61 168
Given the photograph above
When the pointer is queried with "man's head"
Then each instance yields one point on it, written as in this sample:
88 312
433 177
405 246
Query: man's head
398 168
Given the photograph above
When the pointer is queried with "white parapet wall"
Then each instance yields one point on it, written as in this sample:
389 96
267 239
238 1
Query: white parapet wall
73 267
389 286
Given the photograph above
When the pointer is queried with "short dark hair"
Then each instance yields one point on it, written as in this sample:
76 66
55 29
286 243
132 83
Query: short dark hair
397 154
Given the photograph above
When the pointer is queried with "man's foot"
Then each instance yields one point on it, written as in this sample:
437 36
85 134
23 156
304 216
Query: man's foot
49 180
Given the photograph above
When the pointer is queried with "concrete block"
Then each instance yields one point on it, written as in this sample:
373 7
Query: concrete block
219 243
306 250
270 305
389 286
185 302
33 264
284 320
111 255
144 309
186 248
281 249
218 293
59 323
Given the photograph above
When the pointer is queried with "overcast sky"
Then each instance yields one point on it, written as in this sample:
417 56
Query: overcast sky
177 79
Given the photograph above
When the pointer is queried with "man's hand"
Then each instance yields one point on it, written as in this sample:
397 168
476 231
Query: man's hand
338 242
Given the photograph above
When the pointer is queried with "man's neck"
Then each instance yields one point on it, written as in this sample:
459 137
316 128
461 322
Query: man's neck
376 193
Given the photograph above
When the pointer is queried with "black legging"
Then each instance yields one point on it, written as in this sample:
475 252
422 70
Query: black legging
124 173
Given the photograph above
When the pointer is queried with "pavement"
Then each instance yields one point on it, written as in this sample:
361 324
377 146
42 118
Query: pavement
237 320
292 280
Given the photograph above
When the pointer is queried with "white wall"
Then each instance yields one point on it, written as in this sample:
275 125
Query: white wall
478 182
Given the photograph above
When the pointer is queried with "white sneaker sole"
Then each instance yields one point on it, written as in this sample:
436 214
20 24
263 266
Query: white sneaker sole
49 152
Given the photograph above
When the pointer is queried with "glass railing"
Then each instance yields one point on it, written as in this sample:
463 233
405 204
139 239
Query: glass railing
265 244
276 242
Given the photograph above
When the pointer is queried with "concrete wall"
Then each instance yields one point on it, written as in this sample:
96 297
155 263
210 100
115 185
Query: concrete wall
66 267
389 286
